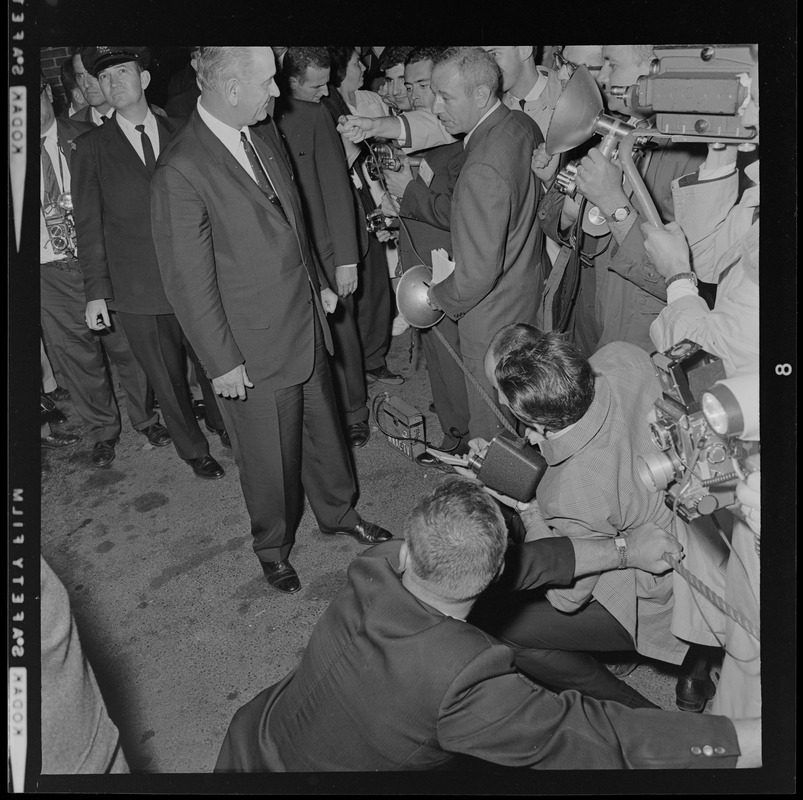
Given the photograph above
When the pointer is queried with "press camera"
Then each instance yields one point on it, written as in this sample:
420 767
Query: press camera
60 225
383 158
702 424
377 221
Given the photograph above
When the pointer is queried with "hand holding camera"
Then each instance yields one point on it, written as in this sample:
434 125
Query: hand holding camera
354 128
600 180
646 547
667 248
543 165
397 181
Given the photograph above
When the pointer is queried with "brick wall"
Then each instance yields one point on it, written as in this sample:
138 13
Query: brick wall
51 59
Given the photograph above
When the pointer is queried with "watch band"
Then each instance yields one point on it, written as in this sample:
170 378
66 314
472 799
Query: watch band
689 276
621 546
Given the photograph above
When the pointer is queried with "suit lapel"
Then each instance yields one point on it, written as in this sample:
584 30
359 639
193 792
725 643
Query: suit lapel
269 154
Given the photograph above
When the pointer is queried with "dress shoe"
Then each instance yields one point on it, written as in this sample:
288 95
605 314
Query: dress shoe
691 694
103 453
222 433
54 417
206 467
157 435
281 575
383 374
59 394
364 532
359 433
621 669
199 409
56 440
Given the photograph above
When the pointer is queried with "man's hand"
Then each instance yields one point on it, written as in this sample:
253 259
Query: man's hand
390 208
232 383
646 547
667 248
346 279
328 300
387 236
600 180
432 303
397 181
357 128
543 165
569 212
97 315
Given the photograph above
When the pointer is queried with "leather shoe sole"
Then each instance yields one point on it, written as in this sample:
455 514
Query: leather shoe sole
281 575
225 440
358 434
157 435
103 453
55 440
206 467
384 375
364 532
427 460
692 694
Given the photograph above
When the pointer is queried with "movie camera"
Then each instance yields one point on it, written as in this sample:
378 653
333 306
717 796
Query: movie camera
60 225
706 427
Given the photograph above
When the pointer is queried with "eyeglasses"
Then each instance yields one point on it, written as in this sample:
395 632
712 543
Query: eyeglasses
561 61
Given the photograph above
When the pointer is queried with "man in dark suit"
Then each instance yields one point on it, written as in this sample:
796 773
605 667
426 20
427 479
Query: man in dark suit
78 354
234 254
316 156
498 275
113 167
440 688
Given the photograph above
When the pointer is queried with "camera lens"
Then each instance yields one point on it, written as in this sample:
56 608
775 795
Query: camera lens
474 461
656 471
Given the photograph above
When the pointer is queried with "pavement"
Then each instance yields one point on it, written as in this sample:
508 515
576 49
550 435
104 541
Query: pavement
172 608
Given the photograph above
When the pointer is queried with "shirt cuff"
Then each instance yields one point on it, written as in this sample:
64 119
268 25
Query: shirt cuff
682 287
404 137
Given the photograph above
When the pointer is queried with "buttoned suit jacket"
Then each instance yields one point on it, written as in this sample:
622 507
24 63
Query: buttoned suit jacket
111 195
439 687
316 154
498 277
233 265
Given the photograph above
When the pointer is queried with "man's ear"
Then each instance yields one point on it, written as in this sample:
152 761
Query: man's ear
232 90
525 51
293 83
499 572
483 95
145 77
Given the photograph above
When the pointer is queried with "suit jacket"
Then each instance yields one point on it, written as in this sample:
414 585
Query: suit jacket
233 265
390 683
111 194
316 154
498 277
68 130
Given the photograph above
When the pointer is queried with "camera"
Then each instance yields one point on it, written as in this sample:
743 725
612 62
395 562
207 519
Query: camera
511 466
701 456
383 157
60 225
695 91
377 221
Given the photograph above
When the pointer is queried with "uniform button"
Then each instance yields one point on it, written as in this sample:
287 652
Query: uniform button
720 751
708 750
695 751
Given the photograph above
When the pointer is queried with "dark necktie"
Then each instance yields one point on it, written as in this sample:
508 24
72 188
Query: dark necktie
259 174
51 184
104 118
522 103
147 149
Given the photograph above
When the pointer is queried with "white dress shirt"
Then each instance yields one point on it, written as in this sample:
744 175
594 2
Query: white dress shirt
135 137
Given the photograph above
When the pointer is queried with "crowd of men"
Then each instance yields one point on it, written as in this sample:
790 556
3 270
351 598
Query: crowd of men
244 235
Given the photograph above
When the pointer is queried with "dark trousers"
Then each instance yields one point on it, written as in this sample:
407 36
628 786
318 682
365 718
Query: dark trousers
554 648
448 383
286 442
372 305
77 356
348 372
159 345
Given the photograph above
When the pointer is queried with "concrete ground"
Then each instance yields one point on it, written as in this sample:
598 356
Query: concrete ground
173 610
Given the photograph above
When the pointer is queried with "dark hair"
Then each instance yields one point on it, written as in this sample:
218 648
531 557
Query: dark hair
544 377
423 54
393 56
475 67
296 60
339 57
457 538
68 79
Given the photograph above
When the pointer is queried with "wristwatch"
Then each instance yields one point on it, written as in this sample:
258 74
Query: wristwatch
621 546
622 213
689 276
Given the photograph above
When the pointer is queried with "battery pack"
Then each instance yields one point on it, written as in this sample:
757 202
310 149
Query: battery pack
402 422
